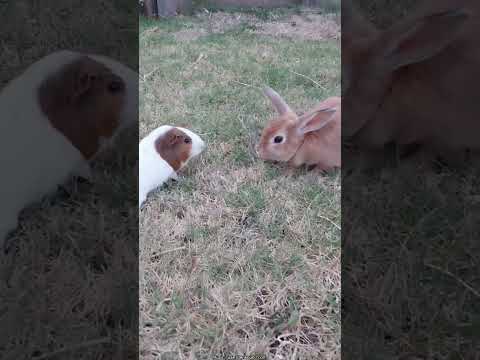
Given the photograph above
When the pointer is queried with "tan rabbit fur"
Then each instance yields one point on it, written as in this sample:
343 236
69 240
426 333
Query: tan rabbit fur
310 139
416 81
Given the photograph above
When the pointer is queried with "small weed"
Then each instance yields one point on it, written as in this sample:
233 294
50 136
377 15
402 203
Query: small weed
241 156
178 301
276 225
249 198
198 234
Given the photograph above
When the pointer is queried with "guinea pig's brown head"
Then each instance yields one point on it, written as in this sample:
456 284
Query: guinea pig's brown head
175 147
83 100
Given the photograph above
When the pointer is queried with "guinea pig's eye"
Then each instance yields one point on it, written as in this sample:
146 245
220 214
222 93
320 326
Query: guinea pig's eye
187 140
115 86
278 139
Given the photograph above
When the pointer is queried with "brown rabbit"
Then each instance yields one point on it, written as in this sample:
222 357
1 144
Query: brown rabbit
415 82
313 139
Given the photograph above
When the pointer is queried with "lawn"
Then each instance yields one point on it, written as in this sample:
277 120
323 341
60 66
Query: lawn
239 256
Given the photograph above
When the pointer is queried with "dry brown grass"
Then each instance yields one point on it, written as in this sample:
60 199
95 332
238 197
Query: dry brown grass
238 256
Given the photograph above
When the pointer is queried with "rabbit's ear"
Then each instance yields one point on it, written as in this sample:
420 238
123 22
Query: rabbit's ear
354 24
280 105
416 40
316 120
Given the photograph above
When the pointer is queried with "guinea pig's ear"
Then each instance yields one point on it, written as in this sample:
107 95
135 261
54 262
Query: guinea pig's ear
174 139
315 120
83 77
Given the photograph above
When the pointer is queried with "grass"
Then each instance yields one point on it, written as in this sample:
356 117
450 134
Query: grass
239 256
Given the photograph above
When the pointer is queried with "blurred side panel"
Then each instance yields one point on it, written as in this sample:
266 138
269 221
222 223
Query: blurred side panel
410 205
69 263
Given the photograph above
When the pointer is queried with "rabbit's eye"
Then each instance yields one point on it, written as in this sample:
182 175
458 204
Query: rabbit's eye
278 139
187 140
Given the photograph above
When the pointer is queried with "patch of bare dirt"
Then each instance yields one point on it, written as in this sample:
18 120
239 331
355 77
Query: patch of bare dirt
304 27
189 34
220 22
307 27
214 23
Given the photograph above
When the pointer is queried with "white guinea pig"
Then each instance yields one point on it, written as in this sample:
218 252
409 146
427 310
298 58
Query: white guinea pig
57 116
162 153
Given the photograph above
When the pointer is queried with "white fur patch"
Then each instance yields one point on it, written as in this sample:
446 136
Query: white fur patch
38 157
155 171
